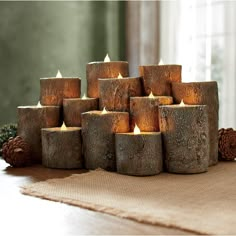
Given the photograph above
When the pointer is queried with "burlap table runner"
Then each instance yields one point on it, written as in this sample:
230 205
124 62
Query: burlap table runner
202 203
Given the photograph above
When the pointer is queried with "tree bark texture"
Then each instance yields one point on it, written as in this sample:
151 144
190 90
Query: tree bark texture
98 137
185 138
202 93
100 70
114 94
139 154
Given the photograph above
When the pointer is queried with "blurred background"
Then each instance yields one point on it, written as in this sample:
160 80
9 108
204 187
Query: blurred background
38 38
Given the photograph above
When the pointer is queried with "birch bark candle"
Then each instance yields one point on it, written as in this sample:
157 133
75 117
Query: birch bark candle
30 121
185 135
98 128
53 90
62 147
202 93
114 94
138 153
74 107
144 111
158 78
100 70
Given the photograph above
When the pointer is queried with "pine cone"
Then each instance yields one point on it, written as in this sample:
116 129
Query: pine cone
16 152
227 144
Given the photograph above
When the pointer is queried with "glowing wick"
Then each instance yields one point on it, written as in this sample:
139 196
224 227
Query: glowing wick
182 103
136 129
151 95
84 97
161 63
63 127
107 58
120 76
58 74
104 111
39 104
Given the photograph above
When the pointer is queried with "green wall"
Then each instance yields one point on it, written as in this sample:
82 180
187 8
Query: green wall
38 38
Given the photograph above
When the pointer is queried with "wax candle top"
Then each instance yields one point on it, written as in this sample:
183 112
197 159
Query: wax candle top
161 63
107 58
136 129
123 78
36 107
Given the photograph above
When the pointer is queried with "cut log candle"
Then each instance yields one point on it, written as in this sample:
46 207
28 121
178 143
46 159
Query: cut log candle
30 121
139 153
62 147
114 94
144 111
98 128
53 90
202 93
74 107
106 69
185 137
158 78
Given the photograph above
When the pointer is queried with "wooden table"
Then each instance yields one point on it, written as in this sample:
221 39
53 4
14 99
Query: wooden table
25 215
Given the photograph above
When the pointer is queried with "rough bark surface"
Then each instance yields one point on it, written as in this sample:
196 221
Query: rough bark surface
99 70
74 107
144 112
62 149
185 138
139 154
202 93
114 94
53 90
157 79
99 140
30 121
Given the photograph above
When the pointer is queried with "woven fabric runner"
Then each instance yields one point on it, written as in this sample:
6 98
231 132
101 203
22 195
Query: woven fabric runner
201 203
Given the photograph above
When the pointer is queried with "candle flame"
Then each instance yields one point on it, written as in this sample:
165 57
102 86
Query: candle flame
120 76
63 127
58 74
107 58
182 103
136 129
104 111
161 63
39 104
84 97
151 95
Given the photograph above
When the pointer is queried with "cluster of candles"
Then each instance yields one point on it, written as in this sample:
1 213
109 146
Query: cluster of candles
126 124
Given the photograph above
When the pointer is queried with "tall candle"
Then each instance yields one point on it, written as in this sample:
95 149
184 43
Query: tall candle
144 111
185 137
74 107
158 78
54 89
62 147
202 93
103 69
98 129
114 94
30 121
139 153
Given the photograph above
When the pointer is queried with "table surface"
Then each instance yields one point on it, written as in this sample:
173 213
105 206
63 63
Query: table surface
25 215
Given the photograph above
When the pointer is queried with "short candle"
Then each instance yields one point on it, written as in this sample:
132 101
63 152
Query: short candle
185 135
114 94
62 147
98 128
144 111
139 153
74 107
54 89
30 121
202 93
158 78
103 69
